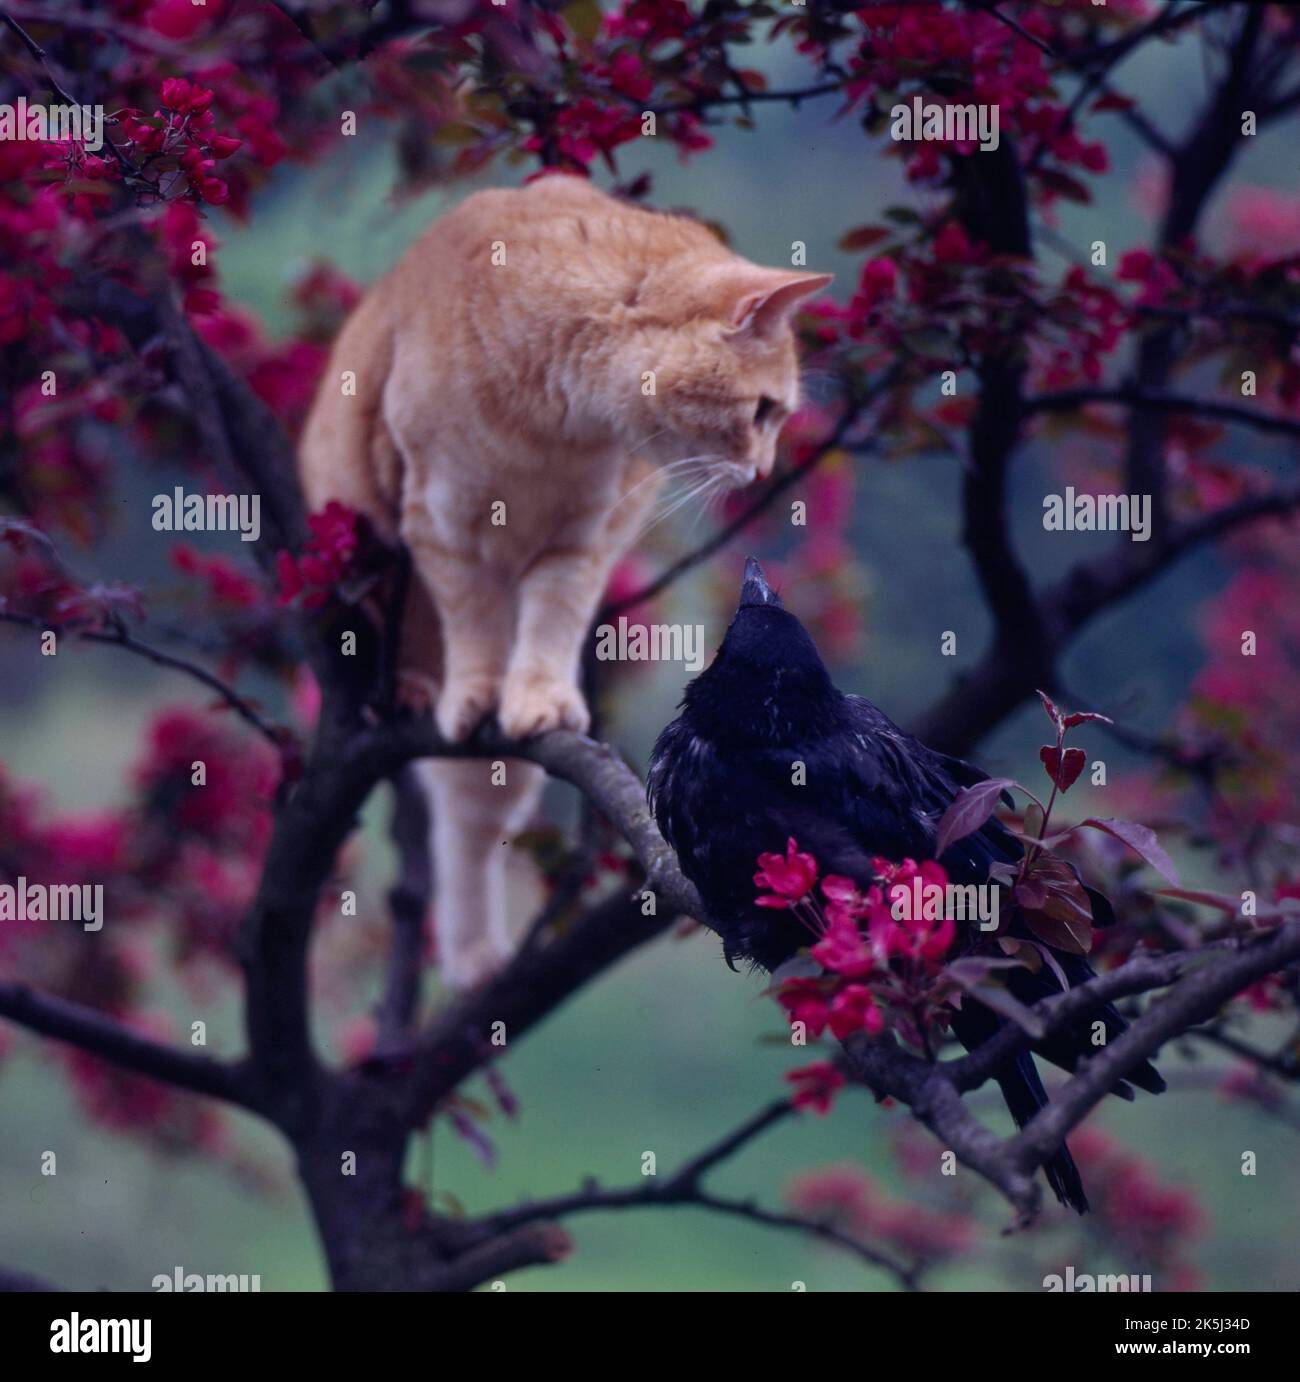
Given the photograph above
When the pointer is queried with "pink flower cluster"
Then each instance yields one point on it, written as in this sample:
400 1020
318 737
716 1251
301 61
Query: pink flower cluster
1149 1218
875 947
229 587
179 137
846 1196
308 580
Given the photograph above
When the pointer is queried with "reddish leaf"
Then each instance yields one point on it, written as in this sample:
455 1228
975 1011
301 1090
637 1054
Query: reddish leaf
969 809
1029 894
1045 842
1049 705
1064 771
1064 185
1080 716
1113 101
1061 929
1141 841
1069 903
862 237
1223 902
1043 954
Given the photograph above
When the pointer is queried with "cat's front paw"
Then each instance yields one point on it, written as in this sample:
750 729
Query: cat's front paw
466 968
534 702
463 704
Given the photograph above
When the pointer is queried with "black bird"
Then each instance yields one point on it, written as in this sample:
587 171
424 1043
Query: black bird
722 789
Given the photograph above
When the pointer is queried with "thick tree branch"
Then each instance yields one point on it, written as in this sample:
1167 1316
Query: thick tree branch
1203 981
982 698
1191 1000
1140 974
104 1036
891 1072
457 1042
408 903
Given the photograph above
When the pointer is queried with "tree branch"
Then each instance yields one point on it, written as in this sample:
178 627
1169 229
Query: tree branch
1192 999
408 902
119 637
983 697
755 509
1067 400
684 1187
104 1036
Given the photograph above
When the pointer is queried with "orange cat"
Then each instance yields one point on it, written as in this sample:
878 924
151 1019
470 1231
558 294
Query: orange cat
525 380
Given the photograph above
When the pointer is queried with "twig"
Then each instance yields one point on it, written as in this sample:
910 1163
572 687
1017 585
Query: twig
1192 999
103 1036
120 638
1014 25
59 90
1067 400
684 1187
755 509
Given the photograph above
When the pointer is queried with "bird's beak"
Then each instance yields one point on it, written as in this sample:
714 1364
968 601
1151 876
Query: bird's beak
755 589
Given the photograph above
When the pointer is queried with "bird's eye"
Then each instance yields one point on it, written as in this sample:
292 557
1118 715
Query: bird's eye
766 407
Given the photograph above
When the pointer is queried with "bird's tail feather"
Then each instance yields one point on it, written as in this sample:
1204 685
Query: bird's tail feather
1025 1095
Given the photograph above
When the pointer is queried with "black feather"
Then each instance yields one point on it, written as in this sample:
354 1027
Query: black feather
767 749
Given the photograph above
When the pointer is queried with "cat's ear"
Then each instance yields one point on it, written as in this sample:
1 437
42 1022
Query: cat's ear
763 301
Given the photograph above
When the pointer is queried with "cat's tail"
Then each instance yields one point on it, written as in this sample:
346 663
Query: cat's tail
346 452
475 820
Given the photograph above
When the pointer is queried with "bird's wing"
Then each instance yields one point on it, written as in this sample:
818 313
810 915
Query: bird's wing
670 757
898 774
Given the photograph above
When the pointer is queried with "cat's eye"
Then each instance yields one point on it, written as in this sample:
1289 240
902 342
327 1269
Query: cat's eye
766 407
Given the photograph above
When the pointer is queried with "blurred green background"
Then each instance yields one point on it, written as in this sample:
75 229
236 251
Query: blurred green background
670 1050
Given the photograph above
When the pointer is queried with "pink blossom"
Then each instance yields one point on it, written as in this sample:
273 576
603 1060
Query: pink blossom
790 877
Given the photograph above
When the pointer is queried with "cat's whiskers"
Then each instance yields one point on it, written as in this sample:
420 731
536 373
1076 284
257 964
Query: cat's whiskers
728 477
715 469
671 469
